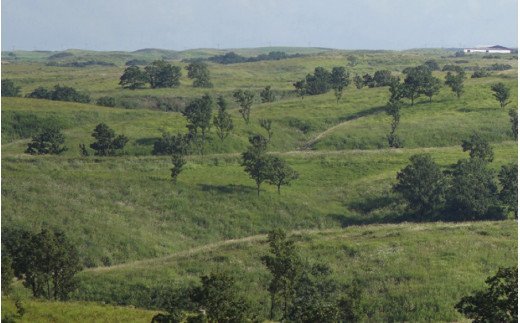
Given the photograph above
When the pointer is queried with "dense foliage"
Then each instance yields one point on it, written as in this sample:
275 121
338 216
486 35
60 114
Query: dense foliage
497 303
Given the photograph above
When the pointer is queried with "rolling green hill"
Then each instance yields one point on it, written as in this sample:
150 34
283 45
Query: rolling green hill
125 212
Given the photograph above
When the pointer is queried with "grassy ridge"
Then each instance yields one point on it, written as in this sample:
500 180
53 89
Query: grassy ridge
408 272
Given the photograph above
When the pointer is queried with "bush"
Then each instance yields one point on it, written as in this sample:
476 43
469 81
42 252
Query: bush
480 72
499 67
106 101
50 141
9 89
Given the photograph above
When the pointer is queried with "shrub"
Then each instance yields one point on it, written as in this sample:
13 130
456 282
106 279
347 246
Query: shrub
106 101
107 143
50 141
9 88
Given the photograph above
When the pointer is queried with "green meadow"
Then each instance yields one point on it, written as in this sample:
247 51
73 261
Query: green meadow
136 231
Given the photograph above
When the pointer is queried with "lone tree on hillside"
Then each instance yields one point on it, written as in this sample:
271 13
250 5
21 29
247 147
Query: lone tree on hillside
245 101
478 147
393 109
422 184
9 88
107 143
198 114
456 82
162 74
497 303
267 95
508 177
178 162
280 173
513 117
501 93
199 72
339 79
267 125
49 141
256 161
133 78
415 81
222 121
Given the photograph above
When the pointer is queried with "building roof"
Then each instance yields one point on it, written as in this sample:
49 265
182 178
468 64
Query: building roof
499 47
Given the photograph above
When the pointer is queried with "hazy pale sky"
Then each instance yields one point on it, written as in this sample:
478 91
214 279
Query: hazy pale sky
185 24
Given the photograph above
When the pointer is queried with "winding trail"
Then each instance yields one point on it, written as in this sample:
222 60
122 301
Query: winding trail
344 120
201 249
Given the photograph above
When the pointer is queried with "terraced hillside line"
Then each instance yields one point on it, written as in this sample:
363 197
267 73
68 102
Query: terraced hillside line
259 237
372 111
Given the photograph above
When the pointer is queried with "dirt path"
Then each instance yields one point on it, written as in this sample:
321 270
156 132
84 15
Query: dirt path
201 249
347 119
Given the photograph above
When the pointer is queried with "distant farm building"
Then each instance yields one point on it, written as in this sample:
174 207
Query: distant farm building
489 49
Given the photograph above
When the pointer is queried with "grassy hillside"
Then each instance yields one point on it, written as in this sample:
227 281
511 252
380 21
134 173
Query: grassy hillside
136 231
63 312
127 208
407 272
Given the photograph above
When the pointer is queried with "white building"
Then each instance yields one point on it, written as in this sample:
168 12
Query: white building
488 49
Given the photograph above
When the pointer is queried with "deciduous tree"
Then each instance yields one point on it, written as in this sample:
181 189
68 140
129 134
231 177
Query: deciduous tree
339 79
49 141
245 101
162 74
478 147
133 78
422 184
107 143
280 173
198 114
497 303
222 121
199 72
501 93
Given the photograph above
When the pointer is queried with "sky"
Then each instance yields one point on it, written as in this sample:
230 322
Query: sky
187 24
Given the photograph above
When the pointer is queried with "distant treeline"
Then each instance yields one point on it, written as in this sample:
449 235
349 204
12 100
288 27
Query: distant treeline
233 58
80 64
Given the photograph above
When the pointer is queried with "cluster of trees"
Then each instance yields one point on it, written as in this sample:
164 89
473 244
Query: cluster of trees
322 81
46 262
234 58
466 191
380 78
263 167
161 74
59 93
51 140
299 292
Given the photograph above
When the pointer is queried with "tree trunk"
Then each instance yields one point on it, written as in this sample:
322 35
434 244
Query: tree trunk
257 189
